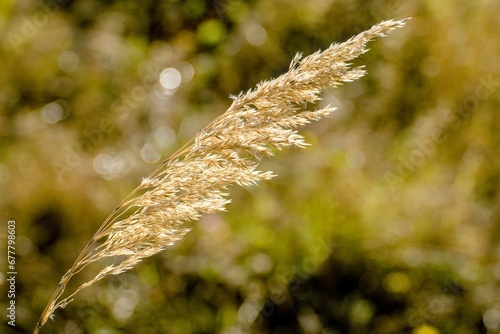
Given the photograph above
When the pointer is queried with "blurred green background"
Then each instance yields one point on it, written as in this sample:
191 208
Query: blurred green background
387 223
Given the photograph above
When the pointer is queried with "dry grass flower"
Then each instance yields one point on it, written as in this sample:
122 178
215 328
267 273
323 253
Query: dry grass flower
193 181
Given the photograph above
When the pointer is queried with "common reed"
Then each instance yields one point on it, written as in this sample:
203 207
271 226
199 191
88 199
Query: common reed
193 181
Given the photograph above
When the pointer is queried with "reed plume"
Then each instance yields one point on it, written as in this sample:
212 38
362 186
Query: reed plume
194 180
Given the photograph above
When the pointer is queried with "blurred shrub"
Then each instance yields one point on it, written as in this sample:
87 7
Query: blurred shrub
401 185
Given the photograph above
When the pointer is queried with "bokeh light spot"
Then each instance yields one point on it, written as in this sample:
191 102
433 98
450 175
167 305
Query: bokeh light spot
164 136
52 113
125 305
150 153
256 35
491 319
186 70
425 329
211 32
261 263
362 311
114 167
68 61
413 256
170 78
397 282
309 320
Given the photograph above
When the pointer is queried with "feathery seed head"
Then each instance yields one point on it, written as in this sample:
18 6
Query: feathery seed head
226 152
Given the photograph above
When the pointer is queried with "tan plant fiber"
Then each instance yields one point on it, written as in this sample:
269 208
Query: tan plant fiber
193 181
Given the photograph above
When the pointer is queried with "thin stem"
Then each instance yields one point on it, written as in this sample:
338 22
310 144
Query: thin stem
99 234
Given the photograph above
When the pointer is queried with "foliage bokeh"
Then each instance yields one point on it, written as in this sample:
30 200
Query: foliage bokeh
387 223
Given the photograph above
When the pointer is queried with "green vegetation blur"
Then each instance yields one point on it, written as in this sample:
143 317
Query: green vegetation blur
387 223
